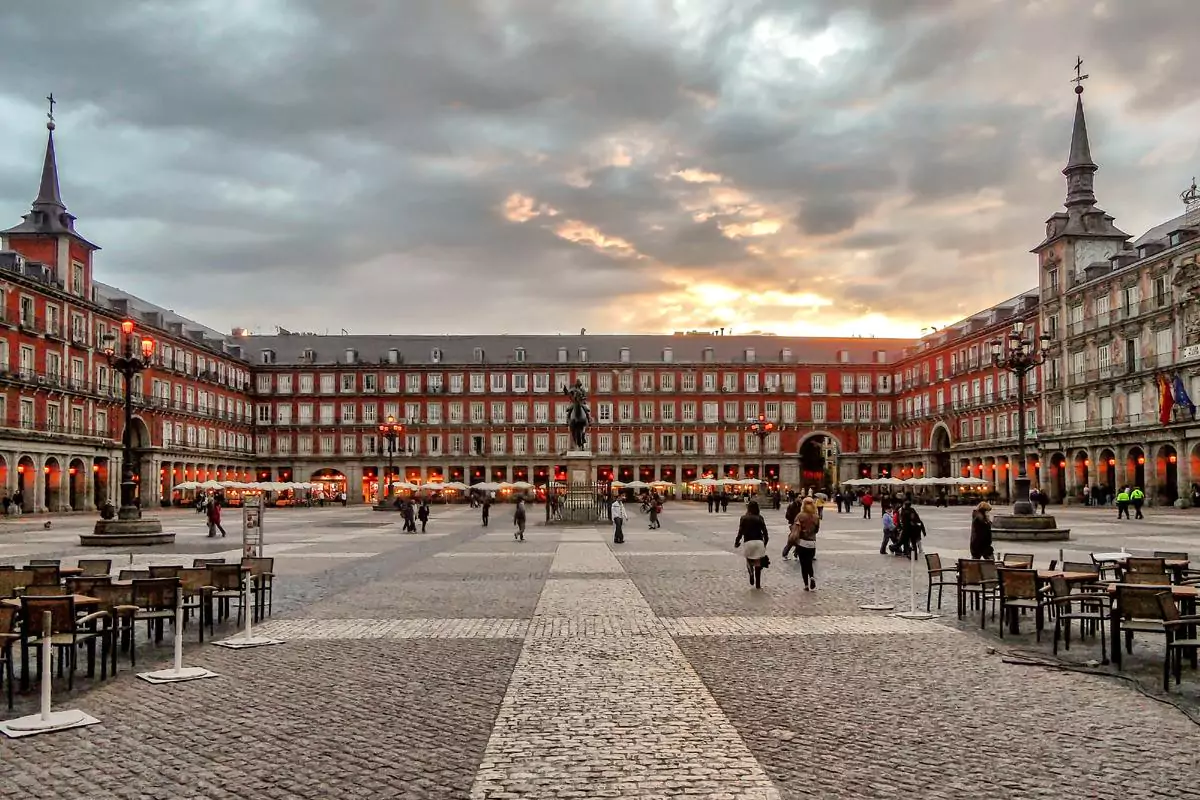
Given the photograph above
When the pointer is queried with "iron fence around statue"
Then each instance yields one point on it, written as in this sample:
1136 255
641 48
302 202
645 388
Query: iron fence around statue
583 503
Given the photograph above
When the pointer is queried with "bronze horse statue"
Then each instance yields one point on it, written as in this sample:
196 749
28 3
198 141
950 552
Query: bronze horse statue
578 415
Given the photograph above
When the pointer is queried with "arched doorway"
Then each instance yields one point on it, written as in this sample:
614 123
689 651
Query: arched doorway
330 484
1083 466
100 481
1107 469
76 484
52 477
1058 477
817 451
1166 465
26 475
1135 468
939 447
1194 472
4 475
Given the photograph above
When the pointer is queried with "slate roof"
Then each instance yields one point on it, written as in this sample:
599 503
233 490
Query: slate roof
105 294
543 349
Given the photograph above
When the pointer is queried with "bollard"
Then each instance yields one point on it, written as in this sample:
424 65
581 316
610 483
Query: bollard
913 613
247 639
178 673
46 721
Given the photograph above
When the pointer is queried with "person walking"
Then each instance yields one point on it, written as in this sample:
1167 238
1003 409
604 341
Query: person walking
804 532
890 538
912 529
519 520
981 531
712 501
724 501
423 514
214 519
1123 503
487 509
867 502
619 515
1137 499
752 529
655 510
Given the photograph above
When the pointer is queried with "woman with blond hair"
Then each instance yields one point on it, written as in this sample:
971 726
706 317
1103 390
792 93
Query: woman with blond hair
804 533
981 531
752 529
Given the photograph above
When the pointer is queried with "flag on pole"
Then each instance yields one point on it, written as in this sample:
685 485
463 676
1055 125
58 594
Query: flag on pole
1166 400
1181 396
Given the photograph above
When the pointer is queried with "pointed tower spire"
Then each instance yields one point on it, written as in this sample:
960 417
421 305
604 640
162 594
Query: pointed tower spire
48 214
1080 170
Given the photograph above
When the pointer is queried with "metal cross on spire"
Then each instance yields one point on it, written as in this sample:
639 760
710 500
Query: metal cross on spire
1079 78
52 101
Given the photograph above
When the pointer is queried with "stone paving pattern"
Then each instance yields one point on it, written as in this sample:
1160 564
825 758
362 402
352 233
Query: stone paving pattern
464 664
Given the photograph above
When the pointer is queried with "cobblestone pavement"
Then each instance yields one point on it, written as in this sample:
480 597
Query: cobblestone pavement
464 664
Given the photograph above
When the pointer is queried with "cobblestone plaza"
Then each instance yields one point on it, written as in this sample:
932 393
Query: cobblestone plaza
464 664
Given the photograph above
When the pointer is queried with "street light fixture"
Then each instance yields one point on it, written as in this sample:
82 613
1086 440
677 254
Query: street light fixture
1020 356
390 431
761 428
128 354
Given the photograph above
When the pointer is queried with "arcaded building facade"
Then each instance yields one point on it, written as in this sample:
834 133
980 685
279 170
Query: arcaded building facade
1110 406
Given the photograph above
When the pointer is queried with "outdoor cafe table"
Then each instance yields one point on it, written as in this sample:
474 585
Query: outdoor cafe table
81 601
1176 565
1070 577
1184 595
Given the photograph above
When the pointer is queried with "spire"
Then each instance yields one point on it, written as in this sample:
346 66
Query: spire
1080 170
48 214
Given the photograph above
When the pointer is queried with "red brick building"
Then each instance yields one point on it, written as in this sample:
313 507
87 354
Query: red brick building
60 402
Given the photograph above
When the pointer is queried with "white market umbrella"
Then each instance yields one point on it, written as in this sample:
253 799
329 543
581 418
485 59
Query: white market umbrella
462 487
637 485
187 486
522 485
704 482
486 487
405 485
751 482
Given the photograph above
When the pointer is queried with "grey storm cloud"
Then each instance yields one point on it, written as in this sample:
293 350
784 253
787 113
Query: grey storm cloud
549 165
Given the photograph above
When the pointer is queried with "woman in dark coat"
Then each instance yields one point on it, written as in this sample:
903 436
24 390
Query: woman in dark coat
981 531
912 530
752 529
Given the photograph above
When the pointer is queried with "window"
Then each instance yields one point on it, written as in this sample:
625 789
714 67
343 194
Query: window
729 382
456 383
348 413
541 382
499 382
624 357
327 384
688 443
435 355
476 413
864 442
709 355
646 381
541 413
688 382
687 412
604 413
710 412
498 443
789 383
456 413
327 413
583 354
848 412
864 411
348 383
885 441
818 411
541 443
789 411
498 410
370 382
847 383
731 443
749 355
709 382
562 355
478 355
1162 345
412 383
625 411
884 411
646 411
519 355
626 441
477 382
731 411
520 382
625 382
667 441
864 384
666 381
520 413
667 411
751 382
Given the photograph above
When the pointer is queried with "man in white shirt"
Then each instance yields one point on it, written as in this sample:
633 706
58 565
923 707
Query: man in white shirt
619 515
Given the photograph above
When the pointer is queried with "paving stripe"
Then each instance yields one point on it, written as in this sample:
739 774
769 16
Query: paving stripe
801 626
610 715
314 629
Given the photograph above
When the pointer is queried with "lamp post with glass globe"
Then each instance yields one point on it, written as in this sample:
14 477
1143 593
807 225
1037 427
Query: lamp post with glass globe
128 353
390 430
762 429
1019 355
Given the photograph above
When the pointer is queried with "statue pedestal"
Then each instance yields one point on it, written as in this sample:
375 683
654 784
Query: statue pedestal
582 503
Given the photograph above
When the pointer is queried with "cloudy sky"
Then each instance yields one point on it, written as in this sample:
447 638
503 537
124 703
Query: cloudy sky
859 167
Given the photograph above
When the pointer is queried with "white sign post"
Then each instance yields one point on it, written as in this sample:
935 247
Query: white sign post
252 520
178 673
46 721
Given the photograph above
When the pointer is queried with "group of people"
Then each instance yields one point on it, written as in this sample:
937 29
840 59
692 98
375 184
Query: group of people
903 531
13 506
803 524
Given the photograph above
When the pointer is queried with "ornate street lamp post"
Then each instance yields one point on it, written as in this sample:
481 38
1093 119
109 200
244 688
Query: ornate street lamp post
1019 357
128 354
390 431
761 429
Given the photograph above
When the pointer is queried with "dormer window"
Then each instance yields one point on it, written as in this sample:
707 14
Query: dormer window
583 354
268 356
880 356
562 355
393 356
749 355
351 356
668 355
477 354
310 355
709 355
785 355
519 355
624 355
435 355
843 356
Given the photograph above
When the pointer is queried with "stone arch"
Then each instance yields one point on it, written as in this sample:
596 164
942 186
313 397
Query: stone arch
1058 476
27 474
78 476
330 483
1106 469
1166 469
52 483
1135 467
939 448
1081 465
816 471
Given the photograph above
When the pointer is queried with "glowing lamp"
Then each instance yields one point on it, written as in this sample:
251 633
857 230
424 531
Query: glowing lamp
127 327
95 467
1141 459
72 470
1112 461
147 347
1037 465
46 469
1087 462
1172 458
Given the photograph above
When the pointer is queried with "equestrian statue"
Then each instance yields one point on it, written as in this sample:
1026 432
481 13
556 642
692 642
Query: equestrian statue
578 415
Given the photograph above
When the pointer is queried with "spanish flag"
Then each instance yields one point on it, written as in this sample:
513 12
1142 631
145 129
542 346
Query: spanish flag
1166 400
